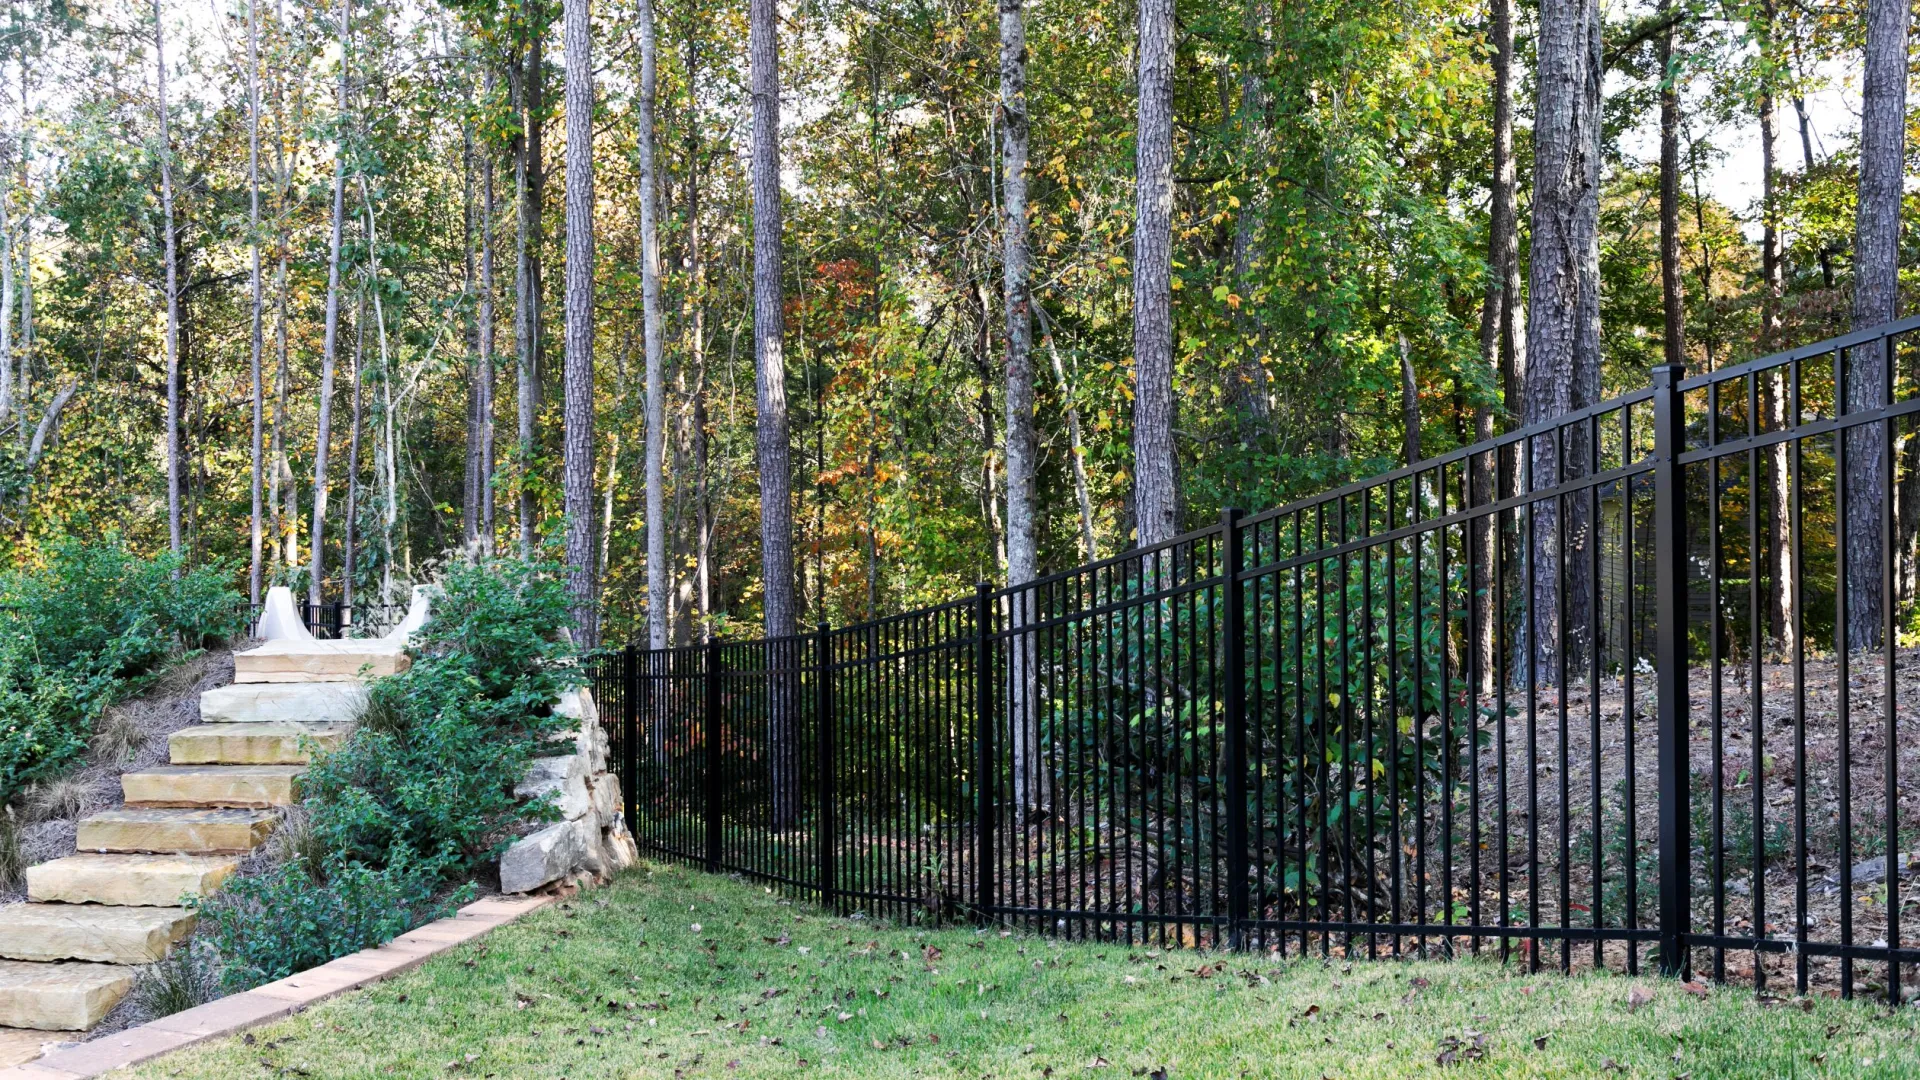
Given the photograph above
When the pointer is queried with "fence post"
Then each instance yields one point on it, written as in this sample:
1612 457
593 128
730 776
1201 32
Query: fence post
1670 659
630 735
1234 675
713 756
985 890
827 825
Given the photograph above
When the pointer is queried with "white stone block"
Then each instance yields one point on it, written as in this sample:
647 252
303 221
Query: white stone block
547 856
564 777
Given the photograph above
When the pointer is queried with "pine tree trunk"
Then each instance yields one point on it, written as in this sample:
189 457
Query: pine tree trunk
256 339
1563 317
1778 561
658 576
484 378
1155 484
471 476
529 184
351 526
1876 283
6 306
1499 310
770 390
174 464
1016 262
316 538
577 468
697 351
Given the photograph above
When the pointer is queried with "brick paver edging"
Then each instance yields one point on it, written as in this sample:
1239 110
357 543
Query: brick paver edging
276 999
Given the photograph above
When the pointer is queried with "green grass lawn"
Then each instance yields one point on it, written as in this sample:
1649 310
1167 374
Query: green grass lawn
673 973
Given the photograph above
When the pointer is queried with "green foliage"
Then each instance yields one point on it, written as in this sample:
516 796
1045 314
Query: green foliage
271 925
422 795
85 629
457 729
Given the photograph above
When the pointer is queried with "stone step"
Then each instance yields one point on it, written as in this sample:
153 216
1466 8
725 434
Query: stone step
130 880
318 661
274 743
211 785
178 831
60 997
114 935
21 1045
312 703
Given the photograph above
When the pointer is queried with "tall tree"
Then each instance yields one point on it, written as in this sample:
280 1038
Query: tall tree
1017 264
257 340
323 435
529 172
577 467
770 373
1156 494
1876 299
1779 557
1563 314
659 578
174 464
1499 337
769 325
484 377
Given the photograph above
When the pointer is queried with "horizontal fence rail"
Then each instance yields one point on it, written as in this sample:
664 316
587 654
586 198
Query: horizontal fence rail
1632 686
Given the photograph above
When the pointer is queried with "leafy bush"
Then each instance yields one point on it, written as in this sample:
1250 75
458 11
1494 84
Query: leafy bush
457 729
87 628
423 791
271 925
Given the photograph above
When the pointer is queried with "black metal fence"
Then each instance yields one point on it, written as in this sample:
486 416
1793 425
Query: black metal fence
1634 684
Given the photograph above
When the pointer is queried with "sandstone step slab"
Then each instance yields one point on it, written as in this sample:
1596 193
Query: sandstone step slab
114 935
60 997
211 785
266 702
219 831
21 1045
129 880
319 661
276 743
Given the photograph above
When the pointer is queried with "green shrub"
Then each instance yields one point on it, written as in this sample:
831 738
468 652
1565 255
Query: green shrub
271 925
423 792
457 729
87 627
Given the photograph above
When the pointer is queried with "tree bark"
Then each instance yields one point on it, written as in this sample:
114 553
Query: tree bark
1563 316
696 298
1498 314
6 307
257 339
582 573
658 571
1016 263
484 377
529 182
1778 563
471 476
351 526
1155 483
316 539
1876 300
770 379
174 536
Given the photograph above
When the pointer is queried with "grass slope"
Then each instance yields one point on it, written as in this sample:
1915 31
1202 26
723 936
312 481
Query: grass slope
672 973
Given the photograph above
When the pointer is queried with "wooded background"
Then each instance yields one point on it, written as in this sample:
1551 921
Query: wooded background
1335 235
